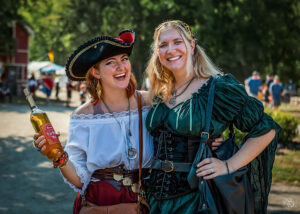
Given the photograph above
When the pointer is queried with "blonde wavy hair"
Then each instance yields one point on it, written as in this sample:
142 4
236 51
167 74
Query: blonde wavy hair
162 80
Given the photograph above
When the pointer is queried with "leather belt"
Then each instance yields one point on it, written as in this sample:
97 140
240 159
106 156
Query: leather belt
170 166
118 177
126 177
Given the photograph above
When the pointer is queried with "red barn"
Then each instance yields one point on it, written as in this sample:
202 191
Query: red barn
14 64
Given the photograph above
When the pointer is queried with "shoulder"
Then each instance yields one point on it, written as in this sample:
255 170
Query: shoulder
227 87
86 108
228 80
249 80
145 97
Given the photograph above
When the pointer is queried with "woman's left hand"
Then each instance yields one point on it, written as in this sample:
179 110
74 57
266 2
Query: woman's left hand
217 142
210 168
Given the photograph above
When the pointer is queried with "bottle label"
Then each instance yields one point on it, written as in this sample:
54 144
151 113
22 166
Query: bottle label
49 133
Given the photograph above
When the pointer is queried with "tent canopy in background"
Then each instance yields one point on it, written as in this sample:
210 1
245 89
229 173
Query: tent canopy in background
45 67
37 68
57 69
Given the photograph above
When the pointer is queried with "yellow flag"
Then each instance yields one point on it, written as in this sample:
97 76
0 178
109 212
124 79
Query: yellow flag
51 56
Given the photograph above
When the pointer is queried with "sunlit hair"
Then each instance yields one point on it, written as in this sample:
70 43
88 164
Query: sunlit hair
91 83
161 79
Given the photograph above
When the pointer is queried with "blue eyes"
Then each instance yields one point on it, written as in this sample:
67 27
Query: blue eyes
113 62
166 44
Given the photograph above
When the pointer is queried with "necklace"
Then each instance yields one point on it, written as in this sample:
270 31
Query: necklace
172 100
131 152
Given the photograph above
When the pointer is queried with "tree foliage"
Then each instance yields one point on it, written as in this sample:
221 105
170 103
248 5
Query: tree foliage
239 35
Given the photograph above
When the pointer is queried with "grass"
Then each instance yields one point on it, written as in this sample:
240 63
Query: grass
286 167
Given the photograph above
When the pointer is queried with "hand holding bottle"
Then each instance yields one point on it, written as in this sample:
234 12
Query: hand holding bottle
50 145
40 142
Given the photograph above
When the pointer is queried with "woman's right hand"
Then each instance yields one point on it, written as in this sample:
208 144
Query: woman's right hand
40 143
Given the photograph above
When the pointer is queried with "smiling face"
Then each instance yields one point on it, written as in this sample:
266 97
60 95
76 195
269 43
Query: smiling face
172 51
114 72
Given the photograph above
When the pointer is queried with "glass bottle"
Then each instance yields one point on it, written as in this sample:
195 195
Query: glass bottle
42 125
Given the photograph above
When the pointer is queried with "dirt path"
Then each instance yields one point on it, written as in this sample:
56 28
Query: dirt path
30 185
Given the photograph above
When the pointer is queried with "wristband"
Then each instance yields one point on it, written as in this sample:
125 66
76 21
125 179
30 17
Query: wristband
227 167
62 162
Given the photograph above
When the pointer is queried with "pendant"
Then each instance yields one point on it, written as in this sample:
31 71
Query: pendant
135 188
117 177
172 101
127 181
131 153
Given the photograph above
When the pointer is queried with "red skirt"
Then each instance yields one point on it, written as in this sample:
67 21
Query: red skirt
102 193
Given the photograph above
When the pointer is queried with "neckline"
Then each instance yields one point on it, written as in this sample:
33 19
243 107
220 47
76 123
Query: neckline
197 92
109 115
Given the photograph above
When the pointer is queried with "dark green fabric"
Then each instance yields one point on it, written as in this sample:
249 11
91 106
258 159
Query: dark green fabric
231 105
184 205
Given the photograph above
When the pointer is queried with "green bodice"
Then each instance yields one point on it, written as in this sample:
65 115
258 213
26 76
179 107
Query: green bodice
231 105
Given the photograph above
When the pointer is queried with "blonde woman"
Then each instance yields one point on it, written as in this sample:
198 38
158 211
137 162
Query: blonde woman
180 75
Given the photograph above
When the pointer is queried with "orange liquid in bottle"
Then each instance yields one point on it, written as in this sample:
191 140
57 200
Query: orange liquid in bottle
42 125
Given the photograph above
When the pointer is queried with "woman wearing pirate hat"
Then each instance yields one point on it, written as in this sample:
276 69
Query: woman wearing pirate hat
104 133
181 76
103 142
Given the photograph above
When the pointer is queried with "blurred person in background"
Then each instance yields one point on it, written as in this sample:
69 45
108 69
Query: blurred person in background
269 80
82 93
47 87
254 84
57 87
32 85
5 89
69 92
276 91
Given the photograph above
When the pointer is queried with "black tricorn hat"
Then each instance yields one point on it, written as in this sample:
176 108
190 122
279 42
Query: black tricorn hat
96 50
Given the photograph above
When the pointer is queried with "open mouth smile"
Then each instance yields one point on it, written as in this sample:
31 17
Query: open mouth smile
171 59
120 76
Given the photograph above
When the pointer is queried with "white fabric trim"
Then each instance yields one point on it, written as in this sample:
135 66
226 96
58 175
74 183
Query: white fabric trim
99 142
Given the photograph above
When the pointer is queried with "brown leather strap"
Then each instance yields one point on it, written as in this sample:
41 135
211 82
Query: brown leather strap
140 137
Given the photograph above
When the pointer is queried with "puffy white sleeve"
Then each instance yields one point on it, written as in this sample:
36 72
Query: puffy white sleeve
76 148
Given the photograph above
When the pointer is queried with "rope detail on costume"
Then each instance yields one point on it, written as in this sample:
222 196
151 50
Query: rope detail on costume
177 117
152 116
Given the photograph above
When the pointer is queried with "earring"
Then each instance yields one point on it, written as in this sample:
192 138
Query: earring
99 89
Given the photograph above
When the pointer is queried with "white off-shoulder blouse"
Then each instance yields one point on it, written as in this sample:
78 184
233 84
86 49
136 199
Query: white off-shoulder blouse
99 141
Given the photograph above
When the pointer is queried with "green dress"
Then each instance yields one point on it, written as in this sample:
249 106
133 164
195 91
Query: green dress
176 133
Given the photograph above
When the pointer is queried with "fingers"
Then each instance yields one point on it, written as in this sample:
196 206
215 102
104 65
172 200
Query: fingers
41 146
38 140
204 162
36 135
205 170
214 148
217 142
210 168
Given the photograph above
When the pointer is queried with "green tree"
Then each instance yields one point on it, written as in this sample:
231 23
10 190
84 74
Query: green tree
239 35
8 14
